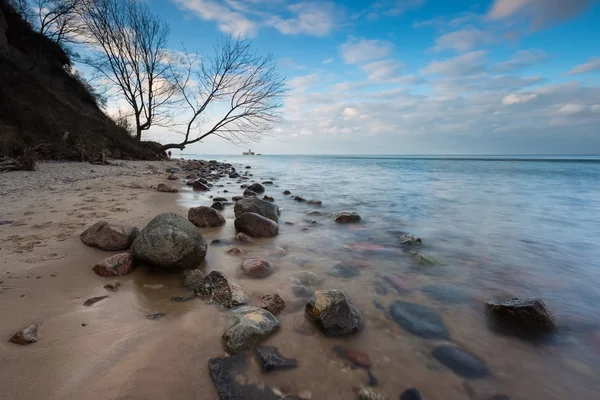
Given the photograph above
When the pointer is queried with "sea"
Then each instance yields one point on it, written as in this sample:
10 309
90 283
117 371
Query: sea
494 227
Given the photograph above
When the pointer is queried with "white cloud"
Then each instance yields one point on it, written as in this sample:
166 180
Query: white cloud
309 18
518 98
382 70
572 109
590 66
465 64
522 59
228 20
360 50
464 40
328 60
350 113
540 12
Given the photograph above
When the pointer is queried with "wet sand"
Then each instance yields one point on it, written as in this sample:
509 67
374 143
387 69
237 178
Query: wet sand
46 275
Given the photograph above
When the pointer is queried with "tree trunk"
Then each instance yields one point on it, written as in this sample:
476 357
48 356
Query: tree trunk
138 135
171 146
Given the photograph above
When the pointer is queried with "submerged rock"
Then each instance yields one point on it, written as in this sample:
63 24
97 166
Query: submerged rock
165 188
347 217
192 278
231 382
25 336
344 270
250 325
256 225
307 278
446 294
411 394
273 303
117 265
460 362
257 268
220 288
217 205
421 259
304 326
113 286
110 235
333 312
258 206
235 251
419 320
171 242
257 188
271 359
287 192
314 202
302 291
243 238
205 217
409 240
355 356
529 315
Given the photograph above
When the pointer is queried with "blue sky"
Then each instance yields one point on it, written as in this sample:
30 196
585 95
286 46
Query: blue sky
414 76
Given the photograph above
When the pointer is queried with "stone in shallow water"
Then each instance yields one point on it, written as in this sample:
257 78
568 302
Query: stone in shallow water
222 289
258 206
307 278
411 394
460 362
110 235
355 356
302 291
272 360
205 217
333 312
257 267
344 270
419 320
370 394
347 217
409 240
446 294
192 278
116 265
530 315
421 259
250 325
25 336
231 382
273 303
255 225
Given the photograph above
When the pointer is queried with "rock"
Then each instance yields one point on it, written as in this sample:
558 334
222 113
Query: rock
446 294
354 356
234 175
244 186
369 394
220 199
267 183
181 299
257 188
528 315
110 235
256 225
163 187
333 312
191 165
346 217
236 198
307 278
314 202
172 177
380 289
171 242
93 300
192 278
218 287
250 325
304 327
268 198
193 177
399 283
173 170
419 320
271 360
258 206
232 383
248 167
235 251
299 199
112 286
409 240
242 237
155 316
273 303
289 223
257 268
344 270
411 394
217 205
249 193
460 362
200 186
117 265
421 259
302 291
25 336
205 217
276 251
287 192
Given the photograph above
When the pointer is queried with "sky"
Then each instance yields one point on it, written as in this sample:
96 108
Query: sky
413 76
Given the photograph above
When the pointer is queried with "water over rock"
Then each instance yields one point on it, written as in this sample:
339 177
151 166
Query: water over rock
271 359
344 270
419 320
409 240
250 325
462 363
192 277
307 278
205 217
229 377
110 235
301 291
333 312
446 294
347 217
171 242
258 206
256 225
527 315
220 288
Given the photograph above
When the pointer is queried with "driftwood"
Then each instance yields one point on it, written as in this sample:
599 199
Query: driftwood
9 165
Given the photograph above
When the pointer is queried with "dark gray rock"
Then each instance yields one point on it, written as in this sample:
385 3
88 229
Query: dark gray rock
299 199
221 199
255 225
419 320
257 188
343 270
527 315
205 217
287 192
409 240
200 186
460 362
333 312
217 205
110 235
230 380
446 294
249 193
271 360
347 217
171 242
218 287
411 394
250 325
257 206
163 187
191 278
302 291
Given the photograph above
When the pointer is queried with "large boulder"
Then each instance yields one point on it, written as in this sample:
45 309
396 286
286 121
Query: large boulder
419 320
257 206
110 235
333 312
250 325
117 265
205 217
527 315
255 225
218 287
170 241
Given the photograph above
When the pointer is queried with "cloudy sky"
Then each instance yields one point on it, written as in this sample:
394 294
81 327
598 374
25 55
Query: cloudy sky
414 76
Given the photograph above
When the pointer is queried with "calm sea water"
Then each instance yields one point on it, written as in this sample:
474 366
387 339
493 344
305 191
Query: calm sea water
497 227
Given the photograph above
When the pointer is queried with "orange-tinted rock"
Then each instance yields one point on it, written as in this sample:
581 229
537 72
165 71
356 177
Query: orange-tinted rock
117 265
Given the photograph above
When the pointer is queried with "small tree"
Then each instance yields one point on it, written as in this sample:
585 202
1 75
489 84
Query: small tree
244 89
128 50
59 20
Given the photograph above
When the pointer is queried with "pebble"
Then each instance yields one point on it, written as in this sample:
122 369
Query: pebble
112 286
155 316
93 300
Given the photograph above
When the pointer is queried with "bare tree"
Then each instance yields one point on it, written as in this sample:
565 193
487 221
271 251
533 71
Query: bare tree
128 50
59 20
244 89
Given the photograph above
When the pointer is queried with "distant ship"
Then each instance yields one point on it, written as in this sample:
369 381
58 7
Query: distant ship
248 153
